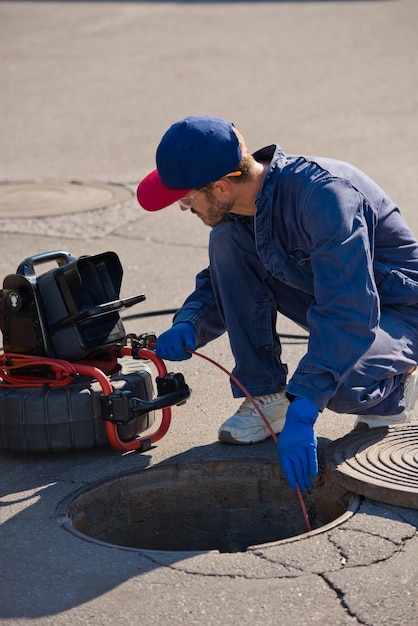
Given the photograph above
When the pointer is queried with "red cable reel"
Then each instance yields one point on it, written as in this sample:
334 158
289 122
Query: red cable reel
111 428
22 371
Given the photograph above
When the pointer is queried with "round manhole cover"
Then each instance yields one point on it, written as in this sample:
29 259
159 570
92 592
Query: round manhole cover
49 199
379 463
227 506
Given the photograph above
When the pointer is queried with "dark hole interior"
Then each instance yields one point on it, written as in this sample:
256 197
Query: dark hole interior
218 505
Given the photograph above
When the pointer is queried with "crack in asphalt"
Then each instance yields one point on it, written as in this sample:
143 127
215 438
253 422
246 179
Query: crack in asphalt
340 594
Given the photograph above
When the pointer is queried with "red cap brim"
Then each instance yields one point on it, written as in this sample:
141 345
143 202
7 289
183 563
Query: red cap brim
152 195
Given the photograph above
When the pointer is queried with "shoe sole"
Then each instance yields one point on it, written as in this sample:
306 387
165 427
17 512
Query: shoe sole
225 437
366 426
361 426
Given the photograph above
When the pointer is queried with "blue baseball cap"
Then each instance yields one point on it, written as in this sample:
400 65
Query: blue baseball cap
194 152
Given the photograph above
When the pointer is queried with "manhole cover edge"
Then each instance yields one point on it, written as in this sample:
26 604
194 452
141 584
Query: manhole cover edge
53 198
66 515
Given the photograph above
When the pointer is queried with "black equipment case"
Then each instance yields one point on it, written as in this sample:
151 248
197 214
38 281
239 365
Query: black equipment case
70 312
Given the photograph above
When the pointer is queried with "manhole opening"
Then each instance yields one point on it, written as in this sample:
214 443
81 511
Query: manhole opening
226 506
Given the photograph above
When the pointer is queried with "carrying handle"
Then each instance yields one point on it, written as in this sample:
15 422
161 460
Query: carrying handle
27 267
99 309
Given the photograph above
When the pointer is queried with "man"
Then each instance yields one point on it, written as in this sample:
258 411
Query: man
315 239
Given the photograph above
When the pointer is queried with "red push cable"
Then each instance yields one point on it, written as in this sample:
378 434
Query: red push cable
263 417
64 372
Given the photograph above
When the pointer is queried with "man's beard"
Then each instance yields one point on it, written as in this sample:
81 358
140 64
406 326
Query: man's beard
216 210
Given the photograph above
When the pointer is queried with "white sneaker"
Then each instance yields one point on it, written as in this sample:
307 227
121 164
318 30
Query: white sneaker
247 426
410 397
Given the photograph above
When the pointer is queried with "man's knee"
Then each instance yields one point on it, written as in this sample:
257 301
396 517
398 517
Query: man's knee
383 397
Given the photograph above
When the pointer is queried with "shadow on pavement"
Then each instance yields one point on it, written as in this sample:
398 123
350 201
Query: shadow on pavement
61 570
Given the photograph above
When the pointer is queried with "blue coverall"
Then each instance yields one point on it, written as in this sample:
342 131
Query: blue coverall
330 250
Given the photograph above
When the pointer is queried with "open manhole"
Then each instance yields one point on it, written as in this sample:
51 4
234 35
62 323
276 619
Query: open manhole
20 200
226 506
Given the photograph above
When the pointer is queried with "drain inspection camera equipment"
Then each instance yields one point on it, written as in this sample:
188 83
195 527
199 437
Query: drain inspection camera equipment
70 376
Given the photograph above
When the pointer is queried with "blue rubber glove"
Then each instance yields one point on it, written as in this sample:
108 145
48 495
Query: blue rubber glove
170 345
297 444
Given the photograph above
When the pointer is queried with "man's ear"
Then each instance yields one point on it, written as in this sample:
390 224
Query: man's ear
222 188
